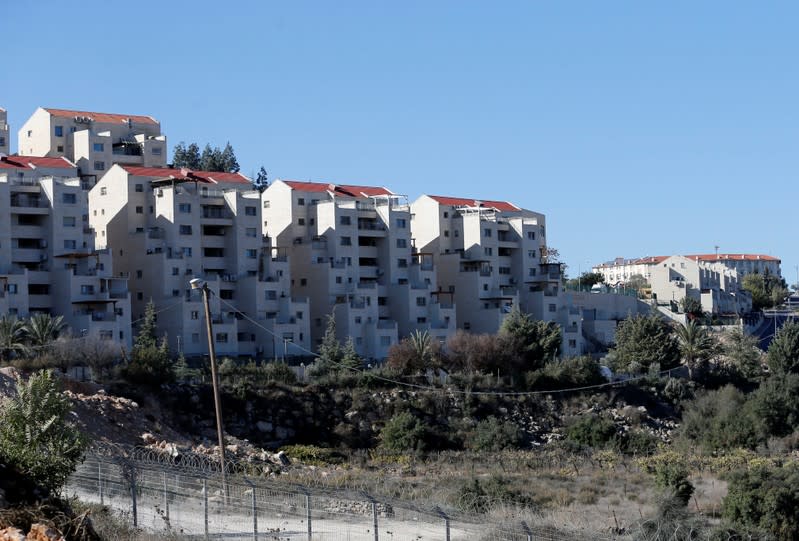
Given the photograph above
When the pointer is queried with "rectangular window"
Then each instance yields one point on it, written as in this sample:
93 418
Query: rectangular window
421 301
99 165
531 253
346 241
185 208
251 232
446 232
385 340
87 289
531 235
487 232
186 251
531 271
421 320
402 243
266 204
300 221
70 244
488 250
338 279
504 270
98 147
402 223
156 151
345 220
251 253
184 229
69 221
69 198
300 201
175 271
58 130
139 210
11 288
250 211
221 337
271 295
139 187
553 308
402 262
176 293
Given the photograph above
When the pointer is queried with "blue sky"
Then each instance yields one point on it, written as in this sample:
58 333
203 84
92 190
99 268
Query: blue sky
638 128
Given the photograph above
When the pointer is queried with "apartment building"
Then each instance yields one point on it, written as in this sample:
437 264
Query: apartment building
490 256
5 142
48 260
167 226
93 141
352 255
620 270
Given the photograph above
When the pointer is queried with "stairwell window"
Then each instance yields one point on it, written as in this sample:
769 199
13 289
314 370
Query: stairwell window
185 230
99 165
98 147
57 130
69 198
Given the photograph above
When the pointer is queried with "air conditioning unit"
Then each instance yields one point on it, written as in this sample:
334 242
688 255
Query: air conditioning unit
159 192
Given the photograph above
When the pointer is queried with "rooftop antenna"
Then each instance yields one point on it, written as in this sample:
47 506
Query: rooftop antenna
717 251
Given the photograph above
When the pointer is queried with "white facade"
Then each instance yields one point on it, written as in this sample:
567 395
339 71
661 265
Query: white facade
165 227
48 260
5 143
352 255
490 256
93 141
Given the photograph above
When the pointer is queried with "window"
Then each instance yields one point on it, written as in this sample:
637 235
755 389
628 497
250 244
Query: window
106 335
251 232
251 253
266 204
139 296
531 253
446 232
553 308
139 209
2 141
98 147
87 289
69 221
421 301
11 289
156 151
346 241
175 271
421 320
402 262
345 220
271 295
176 293
301 201
402 243
300 221
186 251
150 208
299 315
385 340
504 270
69 198
99 165
488 250
59 131
531 235
487 232
338 279
60 148
303 281
402 223
572 343
70 244
183 230
446 214
139 187
457 233
250 211
531 271
359 341
221 337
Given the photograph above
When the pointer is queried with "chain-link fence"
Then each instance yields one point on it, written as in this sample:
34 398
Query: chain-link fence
186 496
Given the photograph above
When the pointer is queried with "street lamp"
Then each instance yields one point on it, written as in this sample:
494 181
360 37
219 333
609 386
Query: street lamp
196 283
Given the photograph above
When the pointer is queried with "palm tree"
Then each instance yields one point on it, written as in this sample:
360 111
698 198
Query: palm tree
44 329
696 345
422 345
12 337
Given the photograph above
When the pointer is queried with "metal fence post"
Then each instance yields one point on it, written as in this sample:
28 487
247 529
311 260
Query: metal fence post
166 499
374 518
308 514
527 530
254 504
205 506
100 482
134 509
446 522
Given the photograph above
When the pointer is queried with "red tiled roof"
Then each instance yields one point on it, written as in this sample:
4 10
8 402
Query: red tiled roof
463 202
33 162
348 190
213 177
112 118
740 257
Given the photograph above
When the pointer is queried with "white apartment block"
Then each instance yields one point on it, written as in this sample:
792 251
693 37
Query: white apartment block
48 260
167 226
353 256
5 143
620 270
93 141
491 255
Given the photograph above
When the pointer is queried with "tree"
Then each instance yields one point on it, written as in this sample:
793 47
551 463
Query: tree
586 281
37 434
644 342
228 160
691 306
330 352
350 360
741 352
636 282
261 181
43 329
530 343
697 346
150 362
767 290
12 337
413 353
210 159
764 497
403 432
776 406
783 352
188 157
147 331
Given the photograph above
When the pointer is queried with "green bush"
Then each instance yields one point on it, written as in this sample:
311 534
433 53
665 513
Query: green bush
474 496
591 431
670 471
313 455
36 432
494 435
721 419
765 497
776 406
565 374
404 432
638 443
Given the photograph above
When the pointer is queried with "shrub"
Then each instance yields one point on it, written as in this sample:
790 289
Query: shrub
494 435
766 498
313 455
721 419
783 352
565 374
591 430
476 497
36 433
644 341
670 471
475 352
404 432
776 406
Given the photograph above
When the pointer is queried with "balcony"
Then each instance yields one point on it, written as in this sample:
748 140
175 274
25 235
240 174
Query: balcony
27 255
21 204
